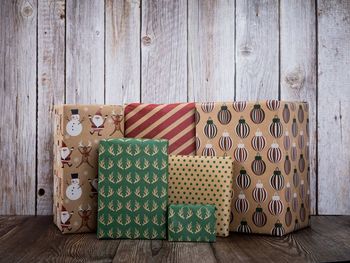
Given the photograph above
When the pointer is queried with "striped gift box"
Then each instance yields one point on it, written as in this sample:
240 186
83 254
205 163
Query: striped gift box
175 122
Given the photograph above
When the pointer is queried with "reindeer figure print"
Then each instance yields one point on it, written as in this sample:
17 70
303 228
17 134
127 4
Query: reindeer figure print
85 153
117 119
97 122
85 216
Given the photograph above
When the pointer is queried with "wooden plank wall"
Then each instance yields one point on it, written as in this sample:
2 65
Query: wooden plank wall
116 51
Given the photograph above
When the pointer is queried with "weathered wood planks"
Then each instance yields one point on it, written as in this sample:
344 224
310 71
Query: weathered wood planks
164 51
298 66
51 90
122 54
28 239
84 51
257 50
211 50
18 106
333 107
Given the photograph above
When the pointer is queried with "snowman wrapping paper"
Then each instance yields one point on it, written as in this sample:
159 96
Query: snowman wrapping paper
268 141
78 130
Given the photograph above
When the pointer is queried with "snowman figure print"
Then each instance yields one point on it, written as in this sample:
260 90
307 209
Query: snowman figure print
73 191
97 122
74 126
65 153
65 217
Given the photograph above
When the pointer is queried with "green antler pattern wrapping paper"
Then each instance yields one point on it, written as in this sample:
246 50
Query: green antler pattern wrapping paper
133 185
192 223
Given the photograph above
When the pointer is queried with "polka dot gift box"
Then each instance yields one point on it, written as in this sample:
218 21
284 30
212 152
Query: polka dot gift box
268 141
203 180
78 131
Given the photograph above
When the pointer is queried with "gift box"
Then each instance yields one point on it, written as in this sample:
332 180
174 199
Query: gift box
203 180
188 222
78 130
132 189
268 141
174 122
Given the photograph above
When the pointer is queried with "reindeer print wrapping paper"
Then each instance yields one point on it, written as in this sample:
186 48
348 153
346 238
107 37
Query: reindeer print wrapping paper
78 130
191 223
203 180
133 184
268 141
174 122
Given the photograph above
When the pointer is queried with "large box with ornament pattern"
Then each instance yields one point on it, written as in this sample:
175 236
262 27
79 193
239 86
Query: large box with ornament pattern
78 131
268 141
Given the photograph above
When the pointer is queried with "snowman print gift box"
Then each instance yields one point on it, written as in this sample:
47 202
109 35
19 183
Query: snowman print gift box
77 133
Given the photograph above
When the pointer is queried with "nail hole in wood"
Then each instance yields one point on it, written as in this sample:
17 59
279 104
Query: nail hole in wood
41 192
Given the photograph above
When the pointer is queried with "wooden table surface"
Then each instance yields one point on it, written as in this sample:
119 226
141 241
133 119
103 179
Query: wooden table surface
36 239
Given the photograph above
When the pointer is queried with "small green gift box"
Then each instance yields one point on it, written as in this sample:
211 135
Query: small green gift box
132 189
188 222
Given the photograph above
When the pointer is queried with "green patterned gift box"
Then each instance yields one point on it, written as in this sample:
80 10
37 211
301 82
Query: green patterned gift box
132 189
187 222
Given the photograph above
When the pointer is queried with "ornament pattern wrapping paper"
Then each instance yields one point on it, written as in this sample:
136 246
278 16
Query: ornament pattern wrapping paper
268 141
132 189
174 122
203 180
78 130
195 223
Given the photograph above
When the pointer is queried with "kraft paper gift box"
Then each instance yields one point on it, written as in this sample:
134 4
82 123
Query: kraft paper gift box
78 130
203 180
268 141
174 122
188 222
132 189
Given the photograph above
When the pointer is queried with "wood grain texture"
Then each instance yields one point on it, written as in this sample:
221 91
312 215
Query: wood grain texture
85 51
18 106
51 89
333 107
164 51
298 67
257 68
28 239
211 52
122 53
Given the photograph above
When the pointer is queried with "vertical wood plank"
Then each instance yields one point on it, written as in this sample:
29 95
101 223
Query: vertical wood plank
18 106
51 63
211 28
85 51
257 51
333 107
164 51
298 67
122 51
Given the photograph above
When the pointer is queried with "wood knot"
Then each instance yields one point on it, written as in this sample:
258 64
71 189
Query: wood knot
27 9
146 40
246 50
295 79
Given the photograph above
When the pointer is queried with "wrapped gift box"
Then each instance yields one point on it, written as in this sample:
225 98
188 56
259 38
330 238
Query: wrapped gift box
174 122
188 222
78 130
203 180
132 189
268 141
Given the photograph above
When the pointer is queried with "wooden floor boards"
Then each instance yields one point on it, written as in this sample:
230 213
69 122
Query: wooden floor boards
36 239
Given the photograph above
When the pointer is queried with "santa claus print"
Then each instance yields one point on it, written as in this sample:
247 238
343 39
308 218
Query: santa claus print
65 153
97 122
65 217
73 191
74 126
93 183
